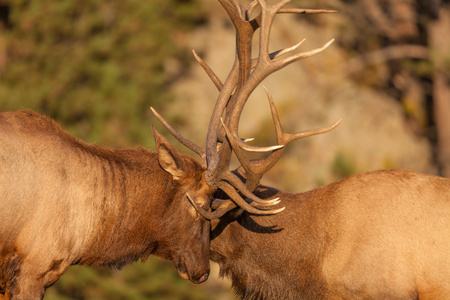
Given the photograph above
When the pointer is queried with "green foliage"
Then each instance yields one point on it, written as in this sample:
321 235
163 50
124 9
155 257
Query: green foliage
155 279
343 166
96 66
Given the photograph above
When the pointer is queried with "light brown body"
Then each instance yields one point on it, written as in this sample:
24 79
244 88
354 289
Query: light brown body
64 202
379 235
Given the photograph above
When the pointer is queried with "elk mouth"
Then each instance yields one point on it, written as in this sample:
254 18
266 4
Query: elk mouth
195 278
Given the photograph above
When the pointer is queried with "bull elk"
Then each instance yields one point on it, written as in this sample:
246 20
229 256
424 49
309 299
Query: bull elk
378 235
65 202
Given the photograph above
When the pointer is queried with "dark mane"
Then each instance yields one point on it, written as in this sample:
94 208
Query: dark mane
245 252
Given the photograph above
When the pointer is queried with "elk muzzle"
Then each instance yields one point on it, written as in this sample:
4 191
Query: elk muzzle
196 274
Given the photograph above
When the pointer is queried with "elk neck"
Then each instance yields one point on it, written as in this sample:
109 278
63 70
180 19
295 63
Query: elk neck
275 256
128 188
107 199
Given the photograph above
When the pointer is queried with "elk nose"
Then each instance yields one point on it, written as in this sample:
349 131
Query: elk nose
203 278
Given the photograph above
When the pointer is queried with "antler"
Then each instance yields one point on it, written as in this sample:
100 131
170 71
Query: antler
245 75
255 169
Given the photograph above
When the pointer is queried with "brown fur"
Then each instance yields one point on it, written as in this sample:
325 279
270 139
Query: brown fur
379 235
65 202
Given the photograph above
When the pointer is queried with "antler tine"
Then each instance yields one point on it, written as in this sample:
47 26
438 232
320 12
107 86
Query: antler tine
238 7
231 180
302 55
281 52
225 207
250 8
285 138
237 143
257 207
256 168
209 71
191 145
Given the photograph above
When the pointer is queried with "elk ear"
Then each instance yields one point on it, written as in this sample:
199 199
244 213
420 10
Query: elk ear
168 157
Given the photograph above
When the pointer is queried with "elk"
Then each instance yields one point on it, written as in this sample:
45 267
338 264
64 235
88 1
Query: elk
65 202
377 235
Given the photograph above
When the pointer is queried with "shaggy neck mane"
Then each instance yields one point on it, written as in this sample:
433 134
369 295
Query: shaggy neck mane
128 177
115 182
262 256
249 277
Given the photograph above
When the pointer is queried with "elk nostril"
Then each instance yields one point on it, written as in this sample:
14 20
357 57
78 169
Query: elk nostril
203 278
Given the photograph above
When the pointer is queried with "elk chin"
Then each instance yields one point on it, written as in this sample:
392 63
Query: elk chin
181 268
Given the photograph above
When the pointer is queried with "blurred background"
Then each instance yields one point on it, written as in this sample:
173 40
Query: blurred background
97 66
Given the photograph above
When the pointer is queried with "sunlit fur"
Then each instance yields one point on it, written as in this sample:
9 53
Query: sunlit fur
379 235
65 202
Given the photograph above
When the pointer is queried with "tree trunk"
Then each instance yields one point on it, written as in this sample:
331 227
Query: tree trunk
440 45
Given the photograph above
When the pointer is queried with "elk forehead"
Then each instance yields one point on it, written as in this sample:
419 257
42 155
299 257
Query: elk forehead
201 193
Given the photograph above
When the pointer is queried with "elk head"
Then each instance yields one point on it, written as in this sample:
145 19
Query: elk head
184 240
222 137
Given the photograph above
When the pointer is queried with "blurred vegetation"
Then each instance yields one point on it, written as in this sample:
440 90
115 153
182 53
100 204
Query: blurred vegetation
96 66
343 166
155 279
